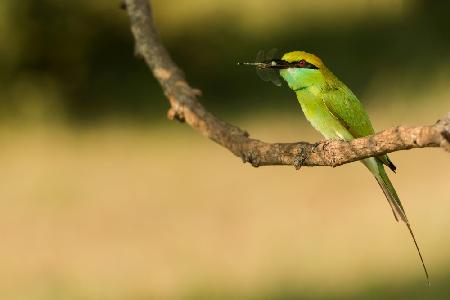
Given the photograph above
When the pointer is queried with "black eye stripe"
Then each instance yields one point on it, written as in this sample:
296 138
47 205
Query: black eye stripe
282 64
306 65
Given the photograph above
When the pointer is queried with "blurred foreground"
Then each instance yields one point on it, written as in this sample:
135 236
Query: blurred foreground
162 213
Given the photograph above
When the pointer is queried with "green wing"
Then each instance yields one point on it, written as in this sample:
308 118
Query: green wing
345 107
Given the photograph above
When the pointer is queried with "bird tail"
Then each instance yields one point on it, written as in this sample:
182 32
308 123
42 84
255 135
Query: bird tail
394 201
391 194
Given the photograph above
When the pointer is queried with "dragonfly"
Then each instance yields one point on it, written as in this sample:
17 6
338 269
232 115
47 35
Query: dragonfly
264 63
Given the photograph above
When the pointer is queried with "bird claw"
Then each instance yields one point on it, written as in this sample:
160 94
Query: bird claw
300 159
251 158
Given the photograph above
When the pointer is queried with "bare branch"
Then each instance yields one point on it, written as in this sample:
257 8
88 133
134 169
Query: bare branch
185 107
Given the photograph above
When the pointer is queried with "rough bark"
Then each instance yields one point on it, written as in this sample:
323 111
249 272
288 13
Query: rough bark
185 107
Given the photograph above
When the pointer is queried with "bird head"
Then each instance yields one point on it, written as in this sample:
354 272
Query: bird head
301 70
298 68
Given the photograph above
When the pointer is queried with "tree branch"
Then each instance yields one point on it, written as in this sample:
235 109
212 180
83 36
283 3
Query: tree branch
185 107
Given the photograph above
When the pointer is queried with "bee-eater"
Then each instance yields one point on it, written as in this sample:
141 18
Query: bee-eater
334 111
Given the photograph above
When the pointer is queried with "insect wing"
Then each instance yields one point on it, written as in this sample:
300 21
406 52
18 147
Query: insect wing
260 56
275 77
271 54
267 74
264 74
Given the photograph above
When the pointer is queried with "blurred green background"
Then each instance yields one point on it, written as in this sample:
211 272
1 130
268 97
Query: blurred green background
102 198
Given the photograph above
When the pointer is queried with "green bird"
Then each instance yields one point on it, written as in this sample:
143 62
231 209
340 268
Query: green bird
333 110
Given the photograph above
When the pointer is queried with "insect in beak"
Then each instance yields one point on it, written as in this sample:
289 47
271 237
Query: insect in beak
269 64
267 67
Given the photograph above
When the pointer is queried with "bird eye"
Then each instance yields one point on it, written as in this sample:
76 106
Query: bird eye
302 63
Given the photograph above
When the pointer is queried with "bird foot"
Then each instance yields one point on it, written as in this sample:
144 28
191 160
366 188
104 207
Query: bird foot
300 159
251 158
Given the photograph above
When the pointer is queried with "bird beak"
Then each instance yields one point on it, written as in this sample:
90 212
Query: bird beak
277 64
